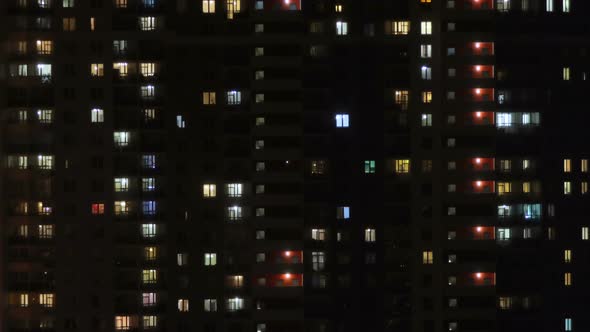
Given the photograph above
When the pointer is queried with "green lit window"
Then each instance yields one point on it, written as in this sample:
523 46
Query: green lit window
369 166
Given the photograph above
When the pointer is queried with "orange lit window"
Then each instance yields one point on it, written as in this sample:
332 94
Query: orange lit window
97 208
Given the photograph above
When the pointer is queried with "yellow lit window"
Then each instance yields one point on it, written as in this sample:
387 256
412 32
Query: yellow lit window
121 68
97 69
567 256
567 188
150 253
209 190
147 68
526 187
46 300
402 98
427 257
209 98
566 73
402 166
233 6
149 276
397 27
92 24
426 97
504 188
22 47
23 300
567 165
584 187
505 303
584 165
236 281
122 323
69 23
44 47
121 3
338 8
425 1
208 6
567 279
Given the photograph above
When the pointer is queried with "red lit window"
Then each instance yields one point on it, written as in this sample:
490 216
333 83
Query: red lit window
97 208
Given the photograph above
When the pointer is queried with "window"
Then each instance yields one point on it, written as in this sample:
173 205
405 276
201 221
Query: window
209 190
44 47
584 187
97 70
149 230
147 23
210 259
208 6
504 188
43 70
370 235
526 187
426 120
235 281
549 5
505 165
505 303
585 233
149 299
342 121
503 234
318 234
69 23
120 46
148 161
148 184
402 166
566 73
92 24
426 51
210 305
46 300
427 257
182 259
567 279
44 3
68 3
233 6
234 97
120 69
318 259
370 167
148 91
149 3
567 165
426 97
209 98
23 300
121 184
234 190
121 208
318 167
121 3
426 28
96 115
402 98
150 322
234 213
568 324
148 208
45 116
147 69
97 208
343 212
122 323
503 5
567 188
341 28
121 138
566 6
149 276
567 256
426 73
235 304
149 114
397 27
150 253
183 305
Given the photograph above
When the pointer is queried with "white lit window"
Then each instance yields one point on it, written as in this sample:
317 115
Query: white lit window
426 51
503 5
210 305
426 73
342 121
234 190
182 259
234 213
568 324
426 120
148 184
209 190
148 91
210 259
318 234
121 138
150 322
96 115
549 5
426 28
235 304
341 28
234 97
318 260
566 6
147 23
149 230
370 235
585 233
503 120
121 184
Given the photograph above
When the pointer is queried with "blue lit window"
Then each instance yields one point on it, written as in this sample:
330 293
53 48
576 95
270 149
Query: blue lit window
343 212
148 161
149 3
148 207
568 324
342 121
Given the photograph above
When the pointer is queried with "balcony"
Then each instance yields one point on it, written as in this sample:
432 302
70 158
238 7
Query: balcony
482 164
482 48
481 72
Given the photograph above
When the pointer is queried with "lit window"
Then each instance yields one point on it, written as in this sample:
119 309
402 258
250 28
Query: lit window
234 304
342 121
149 3
148 208
566 73
148 91
92 24
210 259
183 305
567 256
338 8
208 6
148 161
44 47
121 138
370 167
148 184
182 259
234 97
234 190
341 28
426 97
402 98
584 187
47 300
567 279
425 1
566 6
503 5
567 165
209 190
150 253
318 260
147 23
96 115
567 187
426 28
234 213
233 6
120 46
526 187
68 3
149 299
149 114
121 184
343 212
402 166
122 323
45 116
318 167
318 234
426 120
149 276
44 3
504 188
426 51
148 69
236 281
427 257
370 235
121 3
23 300
97 69
584 165
426 73
210 305
120 69
121 208
150 322
97 208
209 98
397 27
585 233
69 23
503 234
568 324
549 5
505 303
